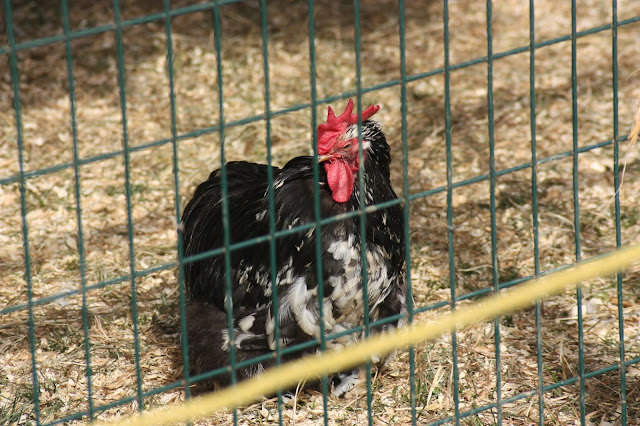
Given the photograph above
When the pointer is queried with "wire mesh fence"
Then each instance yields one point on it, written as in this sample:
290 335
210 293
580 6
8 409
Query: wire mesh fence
503 120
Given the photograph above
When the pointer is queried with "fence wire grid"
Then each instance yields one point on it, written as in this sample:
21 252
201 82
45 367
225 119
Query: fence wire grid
506 122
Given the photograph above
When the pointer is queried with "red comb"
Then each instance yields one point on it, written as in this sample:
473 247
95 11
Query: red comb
337 125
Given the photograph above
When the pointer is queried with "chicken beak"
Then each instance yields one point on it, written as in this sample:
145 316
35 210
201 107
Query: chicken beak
323 158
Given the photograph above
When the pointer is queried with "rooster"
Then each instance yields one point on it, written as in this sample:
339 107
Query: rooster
254 322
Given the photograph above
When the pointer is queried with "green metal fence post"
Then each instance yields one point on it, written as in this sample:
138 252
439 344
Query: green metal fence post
17 108
492 203
178 210
534 205
576 203
363 216
616 188
272 224
80 237
217 34
406 197
316 200
127 176
449 189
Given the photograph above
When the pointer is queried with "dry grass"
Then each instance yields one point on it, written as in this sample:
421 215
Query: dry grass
52 217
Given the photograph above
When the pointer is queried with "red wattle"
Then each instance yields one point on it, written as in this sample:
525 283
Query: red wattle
340 179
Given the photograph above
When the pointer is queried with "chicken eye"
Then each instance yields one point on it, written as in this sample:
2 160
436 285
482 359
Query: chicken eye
347 146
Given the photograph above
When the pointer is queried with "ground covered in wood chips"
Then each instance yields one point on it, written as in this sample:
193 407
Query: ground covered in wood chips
58 255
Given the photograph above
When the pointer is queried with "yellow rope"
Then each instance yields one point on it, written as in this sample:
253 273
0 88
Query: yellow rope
330 362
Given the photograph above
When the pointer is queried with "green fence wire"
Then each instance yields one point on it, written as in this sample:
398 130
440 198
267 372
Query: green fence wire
13 49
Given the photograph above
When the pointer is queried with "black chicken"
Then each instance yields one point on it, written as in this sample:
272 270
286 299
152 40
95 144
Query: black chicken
293 193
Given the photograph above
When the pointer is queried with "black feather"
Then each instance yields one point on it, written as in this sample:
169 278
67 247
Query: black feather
293 193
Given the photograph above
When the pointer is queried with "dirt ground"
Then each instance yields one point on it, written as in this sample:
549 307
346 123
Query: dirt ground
61 252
